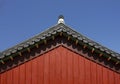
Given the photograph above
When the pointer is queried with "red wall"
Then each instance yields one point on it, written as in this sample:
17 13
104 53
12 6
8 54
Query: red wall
60 66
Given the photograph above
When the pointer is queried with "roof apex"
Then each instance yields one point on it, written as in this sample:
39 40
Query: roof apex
61 19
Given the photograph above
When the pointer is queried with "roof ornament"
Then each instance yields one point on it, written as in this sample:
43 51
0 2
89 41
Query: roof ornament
61 19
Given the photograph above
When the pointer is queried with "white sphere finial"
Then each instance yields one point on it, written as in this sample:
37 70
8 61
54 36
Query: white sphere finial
61 19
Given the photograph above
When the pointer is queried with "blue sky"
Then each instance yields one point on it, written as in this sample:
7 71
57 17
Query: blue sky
99 20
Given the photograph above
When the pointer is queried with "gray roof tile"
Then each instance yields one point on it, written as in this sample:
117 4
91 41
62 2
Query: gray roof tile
52 31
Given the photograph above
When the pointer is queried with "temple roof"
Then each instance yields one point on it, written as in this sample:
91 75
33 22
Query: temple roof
61 27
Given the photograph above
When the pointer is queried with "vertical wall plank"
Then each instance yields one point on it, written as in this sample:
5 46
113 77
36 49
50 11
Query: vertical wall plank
28 74
4 78
40 61
111 77
117 78
105 76
22 74
54 62
82 70
75 68
58 66
87 72
34 71
70 67
93 73
79 69
46 69
52 67
99 75
64 66
9 77
16 75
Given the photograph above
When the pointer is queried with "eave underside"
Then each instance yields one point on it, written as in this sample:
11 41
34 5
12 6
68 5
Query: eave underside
52 44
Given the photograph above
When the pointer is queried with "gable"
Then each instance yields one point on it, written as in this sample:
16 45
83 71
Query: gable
60 68
55 36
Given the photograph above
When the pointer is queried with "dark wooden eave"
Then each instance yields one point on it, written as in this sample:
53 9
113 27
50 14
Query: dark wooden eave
63 31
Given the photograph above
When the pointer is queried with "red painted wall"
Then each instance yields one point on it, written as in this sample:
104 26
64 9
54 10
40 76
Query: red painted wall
60 66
